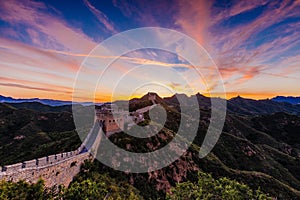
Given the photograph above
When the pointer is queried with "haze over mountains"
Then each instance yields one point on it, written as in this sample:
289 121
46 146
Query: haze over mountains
50 102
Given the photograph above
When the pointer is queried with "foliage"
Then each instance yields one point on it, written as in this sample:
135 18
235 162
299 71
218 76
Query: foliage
96 187
21 190
100 187
209 188
91 184
28 134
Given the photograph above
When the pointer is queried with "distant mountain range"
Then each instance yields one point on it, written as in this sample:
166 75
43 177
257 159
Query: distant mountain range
289 99
236 105
50 102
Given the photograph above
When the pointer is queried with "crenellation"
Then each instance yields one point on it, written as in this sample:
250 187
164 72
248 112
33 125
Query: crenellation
52 159
77 151
53 174
30 163
58 157
13 168
42 162
3 169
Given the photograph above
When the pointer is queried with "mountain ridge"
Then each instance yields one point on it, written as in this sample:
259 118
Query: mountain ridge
50 102
287 99
54 102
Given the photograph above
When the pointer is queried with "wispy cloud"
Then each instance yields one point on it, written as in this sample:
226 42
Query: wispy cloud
194 18
42 28
102 18
33 88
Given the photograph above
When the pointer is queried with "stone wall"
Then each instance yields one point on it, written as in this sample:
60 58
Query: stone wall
54 170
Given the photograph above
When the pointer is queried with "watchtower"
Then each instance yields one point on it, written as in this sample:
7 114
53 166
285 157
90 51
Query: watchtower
111 118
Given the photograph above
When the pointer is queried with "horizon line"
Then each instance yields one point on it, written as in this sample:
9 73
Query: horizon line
208 95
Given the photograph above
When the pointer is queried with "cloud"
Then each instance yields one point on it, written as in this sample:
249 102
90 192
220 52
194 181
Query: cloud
19 53
233 38
35 83
33 88
156 13
194 17
238 49
240 52
44 29
102 18
238 7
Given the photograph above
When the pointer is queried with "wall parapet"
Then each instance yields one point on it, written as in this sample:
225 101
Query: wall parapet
39 162
61 172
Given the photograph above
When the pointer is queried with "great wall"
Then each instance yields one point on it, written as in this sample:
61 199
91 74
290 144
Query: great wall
59 169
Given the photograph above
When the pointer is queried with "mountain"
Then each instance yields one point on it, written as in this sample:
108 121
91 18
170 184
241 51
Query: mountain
49 102
259 144
27 134
245 106
238 105
6 99
289 99
36 106
175 100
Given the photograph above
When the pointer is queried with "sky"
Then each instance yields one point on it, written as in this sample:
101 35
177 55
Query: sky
255 46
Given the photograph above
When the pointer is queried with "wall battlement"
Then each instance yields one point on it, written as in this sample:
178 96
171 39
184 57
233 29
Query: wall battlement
39 162
54 169
57 173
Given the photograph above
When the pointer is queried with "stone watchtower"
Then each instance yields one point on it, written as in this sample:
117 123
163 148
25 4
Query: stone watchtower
111 118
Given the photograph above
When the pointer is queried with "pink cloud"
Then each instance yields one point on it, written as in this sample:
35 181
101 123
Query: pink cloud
36 84
33 88
194 17
44 29
19 53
